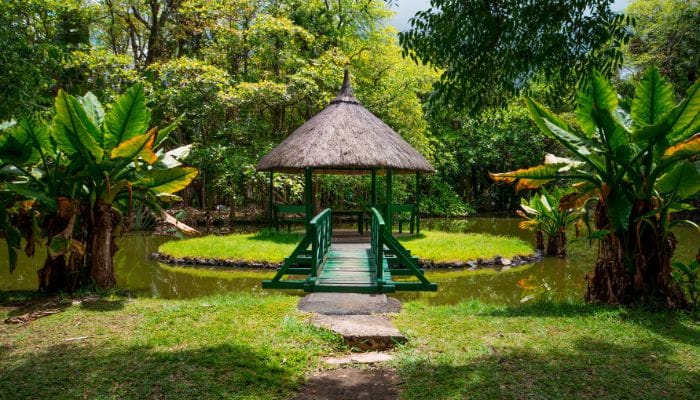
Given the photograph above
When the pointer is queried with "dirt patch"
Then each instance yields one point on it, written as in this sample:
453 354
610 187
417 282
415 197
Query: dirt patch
351 384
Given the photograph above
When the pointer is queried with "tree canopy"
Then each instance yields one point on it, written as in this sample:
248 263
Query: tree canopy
488 51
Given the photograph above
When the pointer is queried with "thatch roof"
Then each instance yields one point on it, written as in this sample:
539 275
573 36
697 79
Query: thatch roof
344 138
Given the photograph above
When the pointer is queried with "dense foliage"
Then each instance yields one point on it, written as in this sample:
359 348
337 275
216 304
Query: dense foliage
74 180
491 50
240 75
640 168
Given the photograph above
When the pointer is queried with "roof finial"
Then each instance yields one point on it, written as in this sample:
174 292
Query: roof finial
346 89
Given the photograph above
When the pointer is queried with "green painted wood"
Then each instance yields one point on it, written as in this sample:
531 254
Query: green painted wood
308 195
269 201
350 267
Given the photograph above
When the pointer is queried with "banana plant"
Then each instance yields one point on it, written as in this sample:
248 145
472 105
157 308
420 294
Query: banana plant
542 214
638 169
84 170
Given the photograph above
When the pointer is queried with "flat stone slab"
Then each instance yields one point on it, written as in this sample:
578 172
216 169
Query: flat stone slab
349 304
371 357
363 332
351 384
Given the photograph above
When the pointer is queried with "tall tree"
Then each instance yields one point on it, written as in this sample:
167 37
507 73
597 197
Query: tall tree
490 50
666 34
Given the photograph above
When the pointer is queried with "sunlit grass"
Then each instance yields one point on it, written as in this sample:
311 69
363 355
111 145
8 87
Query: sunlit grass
262 246
273 246
454 247
546 351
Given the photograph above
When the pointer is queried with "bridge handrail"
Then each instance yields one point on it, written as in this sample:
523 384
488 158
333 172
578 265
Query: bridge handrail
320 233
382 237
377 241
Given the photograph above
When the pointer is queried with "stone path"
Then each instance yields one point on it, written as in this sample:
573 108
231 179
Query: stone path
359 319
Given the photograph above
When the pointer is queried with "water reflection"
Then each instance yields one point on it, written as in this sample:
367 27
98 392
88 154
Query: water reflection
552 278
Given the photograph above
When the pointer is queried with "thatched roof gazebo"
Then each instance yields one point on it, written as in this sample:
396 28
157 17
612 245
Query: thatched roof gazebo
345 138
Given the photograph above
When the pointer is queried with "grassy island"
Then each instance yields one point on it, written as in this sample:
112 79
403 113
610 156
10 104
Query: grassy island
273 247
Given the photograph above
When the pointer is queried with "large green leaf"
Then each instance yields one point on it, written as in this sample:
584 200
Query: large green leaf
683 180
24 189
653 99
167 180
128 117
163 133
619 209
596 96
530 178
93 108
684 120
616 134
16 147
686 149
39 134
138 146
79 134
553 127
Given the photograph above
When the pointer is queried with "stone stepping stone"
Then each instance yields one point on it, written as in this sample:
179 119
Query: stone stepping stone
371 357
349 304
362 332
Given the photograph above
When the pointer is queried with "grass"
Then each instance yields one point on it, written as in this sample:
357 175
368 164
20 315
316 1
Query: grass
257 346
547 351
235 346
263 246
273 246
445 247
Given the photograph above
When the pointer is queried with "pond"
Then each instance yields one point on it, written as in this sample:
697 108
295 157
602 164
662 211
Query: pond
552 278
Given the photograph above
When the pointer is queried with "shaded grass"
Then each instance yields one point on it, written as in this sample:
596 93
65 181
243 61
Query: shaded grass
547 351
257 346
453 247
263 246
232 346
273 247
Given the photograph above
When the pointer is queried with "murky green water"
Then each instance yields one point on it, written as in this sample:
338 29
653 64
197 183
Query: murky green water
552 278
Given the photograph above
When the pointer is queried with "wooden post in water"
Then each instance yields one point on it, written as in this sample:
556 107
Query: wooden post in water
270 211
389 210
308 196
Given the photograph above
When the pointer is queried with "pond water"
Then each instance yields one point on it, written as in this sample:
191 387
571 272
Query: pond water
552 278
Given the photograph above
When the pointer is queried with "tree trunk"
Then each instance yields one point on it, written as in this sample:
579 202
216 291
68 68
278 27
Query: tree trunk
102 246
63 272
556 245
636 268
539 235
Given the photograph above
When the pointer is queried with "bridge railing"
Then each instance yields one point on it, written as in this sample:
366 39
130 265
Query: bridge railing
320 233
376 241
381 238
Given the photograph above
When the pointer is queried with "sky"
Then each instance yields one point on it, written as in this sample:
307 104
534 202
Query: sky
405 9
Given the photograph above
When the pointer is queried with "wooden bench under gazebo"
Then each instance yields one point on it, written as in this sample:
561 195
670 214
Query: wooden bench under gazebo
345 138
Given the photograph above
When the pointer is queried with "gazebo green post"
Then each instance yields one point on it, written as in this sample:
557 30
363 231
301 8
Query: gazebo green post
373 198
389 210
270 211
417 211
308 196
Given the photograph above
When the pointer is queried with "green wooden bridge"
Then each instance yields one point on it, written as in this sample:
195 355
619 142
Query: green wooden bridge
349 267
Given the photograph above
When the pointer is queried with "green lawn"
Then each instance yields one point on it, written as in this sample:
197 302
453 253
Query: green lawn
257 346
269 246
443 247
273 246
